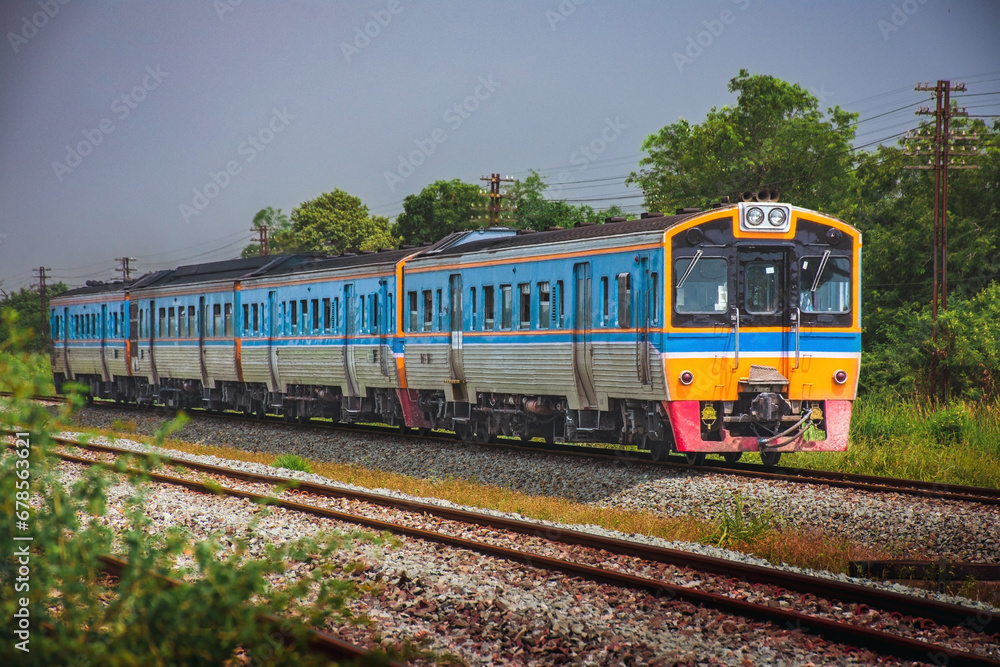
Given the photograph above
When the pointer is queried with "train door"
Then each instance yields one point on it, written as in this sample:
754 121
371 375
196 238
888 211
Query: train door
203 320
582 344
382 313
133 338
456 361
641 316
103 324
763 299
65 346
271 326
350 331
151 318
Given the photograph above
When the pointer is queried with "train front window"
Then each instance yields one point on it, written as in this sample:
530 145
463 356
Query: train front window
762 287
825 284
701 284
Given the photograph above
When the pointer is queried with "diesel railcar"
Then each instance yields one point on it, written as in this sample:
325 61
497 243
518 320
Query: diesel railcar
720 331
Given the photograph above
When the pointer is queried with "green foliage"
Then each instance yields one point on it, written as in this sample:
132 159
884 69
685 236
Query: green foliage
737 526
967 351
334 223
26 305
531 210
292 462
893 436
441 208
276 223
78 616
775 137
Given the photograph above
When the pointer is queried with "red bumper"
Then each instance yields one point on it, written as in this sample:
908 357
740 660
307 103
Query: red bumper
685 417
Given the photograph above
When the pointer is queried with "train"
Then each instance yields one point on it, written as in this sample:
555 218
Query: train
727 330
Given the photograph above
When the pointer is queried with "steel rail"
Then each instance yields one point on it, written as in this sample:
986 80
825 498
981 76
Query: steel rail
855 635
859 482
318 641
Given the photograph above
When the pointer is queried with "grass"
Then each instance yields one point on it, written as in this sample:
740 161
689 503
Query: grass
292 462
958 444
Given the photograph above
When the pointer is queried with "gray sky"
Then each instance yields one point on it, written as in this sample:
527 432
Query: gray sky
157 129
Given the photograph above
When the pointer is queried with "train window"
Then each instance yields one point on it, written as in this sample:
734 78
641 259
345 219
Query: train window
505 307
336 311
761 289
217 320
524 317
558 313
544 305
192 323
171 314
142 323
440 311
624 300
228 309
245 325
255 318
411 298
315 315
294 314
364 313
825 284
701 284
161 324
654 301
304 320
326 315
472 300
391 313
428 310
182 322
374 301
489 308
605 302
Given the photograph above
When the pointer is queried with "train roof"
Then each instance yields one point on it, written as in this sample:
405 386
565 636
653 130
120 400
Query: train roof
95 288
587 231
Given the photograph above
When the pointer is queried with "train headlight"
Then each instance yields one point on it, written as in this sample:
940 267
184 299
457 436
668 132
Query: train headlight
776 217
686 378
840 377
755 216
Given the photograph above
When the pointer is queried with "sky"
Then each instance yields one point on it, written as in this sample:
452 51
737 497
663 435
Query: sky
156 130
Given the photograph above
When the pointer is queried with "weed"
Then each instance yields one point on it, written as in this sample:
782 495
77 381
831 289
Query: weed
292 462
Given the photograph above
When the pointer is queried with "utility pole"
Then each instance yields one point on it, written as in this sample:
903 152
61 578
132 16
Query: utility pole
125 267
261 237
43 329
942 156
496 198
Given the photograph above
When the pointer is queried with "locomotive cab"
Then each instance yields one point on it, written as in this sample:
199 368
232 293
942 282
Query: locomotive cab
763 345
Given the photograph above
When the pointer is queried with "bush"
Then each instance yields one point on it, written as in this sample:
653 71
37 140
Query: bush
73 614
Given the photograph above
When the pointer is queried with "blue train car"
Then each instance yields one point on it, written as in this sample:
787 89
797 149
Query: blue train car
89 329
553 334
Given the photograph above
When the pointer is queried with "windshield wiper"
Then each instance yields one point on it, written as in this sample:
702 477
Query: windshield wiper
819 271
690 268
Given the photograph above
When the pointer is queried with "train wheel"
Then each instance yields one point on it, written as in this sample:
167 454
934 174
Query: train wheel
732 457
694 458
770 459
658 449
464 432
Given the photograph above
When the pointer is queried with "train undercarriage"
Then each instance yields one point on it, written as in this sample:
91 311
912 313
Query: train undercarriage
763 418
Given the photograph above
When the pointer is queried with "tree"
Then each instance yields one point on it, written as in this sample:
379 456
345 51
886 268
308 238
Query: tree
441 208
334 223
533 211
775 138
27 304
274 221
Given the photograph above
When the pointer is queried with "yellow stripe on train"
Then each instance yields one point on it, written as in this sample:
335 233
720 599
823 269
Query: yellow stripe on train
715 379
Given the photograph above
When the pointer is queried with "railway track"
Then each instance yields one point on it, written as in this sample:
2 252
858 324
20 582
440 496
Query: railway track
870 483
891 603
320 643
